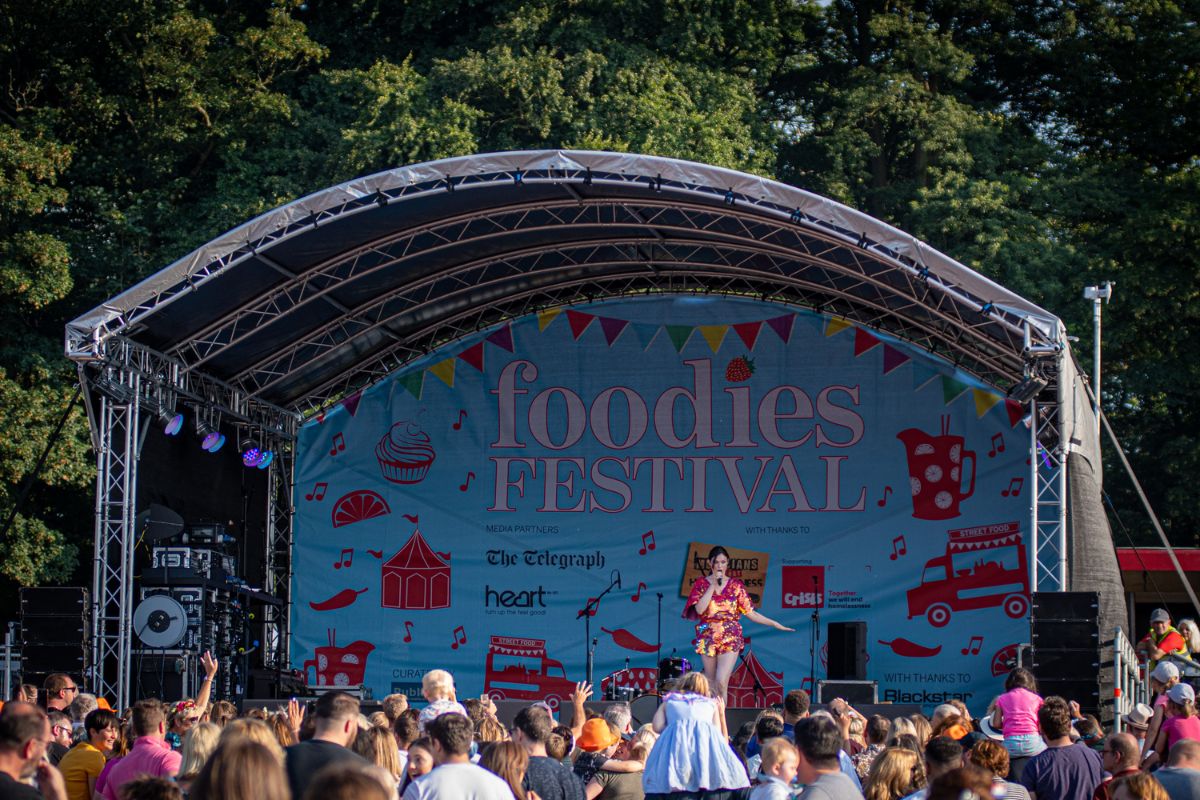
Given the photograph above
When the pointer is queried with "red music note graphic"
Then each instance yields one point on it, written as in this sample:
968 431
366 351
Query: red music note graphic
345 559
338 445
881 502
408 626
647 542
1014 488
997 446
638 595
375 554
592 606
899 547
972 648
462 487
458 425
460 637
318 492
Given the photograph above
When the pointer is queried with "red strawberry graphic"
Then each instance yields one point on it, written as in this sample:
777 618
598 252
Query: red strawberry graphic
739 369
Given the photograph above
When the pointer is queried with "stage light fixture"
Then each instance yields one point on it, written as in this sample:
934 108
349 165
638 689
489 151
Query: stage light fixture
1028 388
172 422
213 442
265 459
251 454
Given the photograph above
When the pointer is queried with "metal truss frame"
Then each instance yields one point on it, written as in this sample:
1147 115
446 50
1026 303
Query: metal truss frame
1048 477
278 561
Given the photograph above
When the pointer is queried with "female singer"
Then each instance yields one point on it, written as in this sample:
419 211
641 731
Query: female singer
718 602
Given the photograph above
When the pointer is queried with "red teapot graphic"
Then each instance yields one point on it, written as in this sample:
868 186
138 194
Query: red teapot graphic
935 471
339 666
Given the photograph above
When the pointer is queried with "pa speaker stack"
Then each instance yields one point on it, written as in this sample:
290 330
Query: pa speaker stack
55 632
1066 646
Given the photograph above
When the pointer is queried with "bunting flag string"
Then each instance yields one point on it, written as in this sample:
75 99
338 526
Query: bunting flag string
546 316
502 337
783 326
922 374
893 358
835 325
952 389
1016 411
413 382
679 335
444 370
714 335
864 341
984 401
613 328
748 333
350 402
473 355
646 331
814 321
579 322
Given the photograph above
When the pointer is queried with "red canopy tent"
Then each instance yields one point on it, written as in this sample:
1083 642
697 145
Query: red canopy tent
742 693
416 577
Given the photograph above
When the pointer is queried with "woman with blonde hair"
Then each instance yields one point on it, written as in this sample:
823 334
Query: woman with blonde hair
198 745
901 726
490 729
1181 721
895 773
282 729
1162 678
1139 786
254 730
508 761
922 729
241 769
378 745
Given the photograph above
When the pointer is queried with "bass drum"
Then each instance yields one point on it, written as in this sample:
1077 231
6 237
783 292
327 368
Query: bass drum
671 670
642 708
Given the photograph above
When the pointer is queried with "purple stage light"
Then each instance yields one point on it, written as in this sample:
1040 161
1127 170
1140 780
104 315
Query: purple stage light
174 425
251 456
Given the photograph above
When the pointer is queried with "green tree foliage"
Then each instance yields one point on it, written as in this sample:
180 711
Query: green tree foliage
1048 145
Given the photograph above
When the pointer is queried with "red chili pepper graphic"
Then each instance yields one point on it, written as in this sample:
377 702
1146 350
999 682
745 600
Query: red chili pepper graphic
903 647
340 600
624 638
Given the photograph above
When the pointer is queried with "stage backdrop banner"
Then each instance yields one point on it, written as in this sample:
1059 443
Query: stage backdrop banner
461 513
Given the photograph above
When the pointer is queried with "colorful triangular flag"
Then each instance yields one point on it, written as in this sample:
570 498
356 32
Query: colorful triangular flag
714 335
613 328
579 322
445 371
502 337
952 389
835 325
1016 411
984 400
814 321
413 382
783 326
646 331
748 333
473 355
922 374
893 358
679 335
547 316
863 341
350 402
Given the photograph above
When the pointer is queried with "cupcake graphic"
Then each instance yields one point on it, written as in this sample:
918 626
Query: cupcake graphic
405 454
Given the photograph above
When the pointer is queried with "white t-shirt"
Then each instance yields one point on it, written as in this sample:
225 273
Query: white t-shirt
459 782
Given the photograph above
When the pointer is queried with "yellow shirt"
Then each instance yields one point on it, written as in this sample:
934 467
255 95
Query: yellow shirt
80 763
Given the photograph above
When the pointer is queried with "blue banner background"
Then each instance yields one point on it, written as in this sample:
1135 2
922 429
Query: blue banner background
481 570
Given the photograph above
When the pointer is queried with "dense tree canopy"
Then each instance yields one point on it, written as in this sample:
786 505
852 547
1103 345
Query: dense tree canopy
1049 145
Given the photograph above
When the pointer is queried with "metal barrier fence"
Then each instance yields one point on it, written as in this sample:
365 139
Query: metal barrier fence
1130 687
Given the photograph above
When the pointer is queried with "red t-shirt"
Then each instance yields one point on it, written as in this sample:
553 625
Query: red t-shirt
1171 642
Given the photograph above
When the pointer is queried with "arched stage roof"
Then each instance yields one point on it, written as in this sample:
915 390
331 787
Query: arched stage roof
333 291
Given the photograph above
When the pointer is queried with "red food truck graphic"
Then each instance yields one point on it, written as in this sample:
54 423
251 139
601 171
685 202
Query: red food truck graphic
517 669
982 567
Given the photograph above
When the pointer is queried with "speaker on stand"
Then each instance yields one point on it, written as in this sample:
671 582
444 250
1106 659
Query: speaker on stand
847 656
56 632
1065 658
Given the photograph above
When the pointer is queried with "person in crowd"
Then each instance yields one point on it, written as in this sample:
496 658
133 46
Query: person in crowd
221 712
611 785
1190 632
454 777
895 772
718 602
907 741
597 747
181 718
62 736
393 706
120 749
491 730
544 775
795 707
282 730
1139 786
150 754
83 704
1064 770
1016 714
438 688
335 721
406 731
60 689
942 755
1181 776
620 715
994 758
241 769
1091 733
1137 722
151 789
256 731
875 734
769 725
900 727
1162 678
350 782
507 761
27 693
198 745
777 769
964 782
82 765
921 729
560 744
419 762
1162 639
845 716
377 745
1119 757
951 726
692 754
1180 723
819 742
24 734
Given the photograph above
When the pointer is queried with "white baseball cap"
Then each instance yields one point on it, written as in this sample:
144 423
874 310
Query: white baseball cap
1165 672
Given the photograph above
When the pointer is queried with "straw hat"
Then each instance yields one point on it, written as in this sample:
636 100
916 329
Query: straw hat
989 730
596 736
1139 718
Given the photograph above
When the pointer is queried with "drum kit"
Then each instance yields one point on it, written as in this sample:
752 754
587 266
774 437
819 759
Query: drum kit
633 683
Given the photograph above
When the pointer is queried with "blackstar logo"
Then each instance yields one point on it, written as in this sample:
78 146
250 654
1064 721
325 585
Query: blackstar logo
803 587
508 598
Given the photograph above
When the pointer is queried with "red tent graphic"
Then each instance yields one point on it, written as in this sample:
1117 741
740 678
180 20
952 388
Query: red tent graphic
741 684
416 577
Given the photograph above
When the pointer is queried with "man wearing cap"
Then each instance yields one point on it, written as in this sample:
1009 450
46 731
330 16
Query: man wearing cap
1162 638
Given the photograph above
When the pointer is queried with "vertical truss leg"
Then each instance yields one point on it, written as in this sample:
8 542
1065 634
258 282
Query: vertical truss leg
1049 473
112 572
280 514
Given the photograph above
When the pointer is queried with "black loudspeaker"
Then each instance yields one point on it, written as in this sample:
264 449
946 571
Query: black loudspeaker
159 674
55 631
856 693
1065 605
847 659
1065 633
